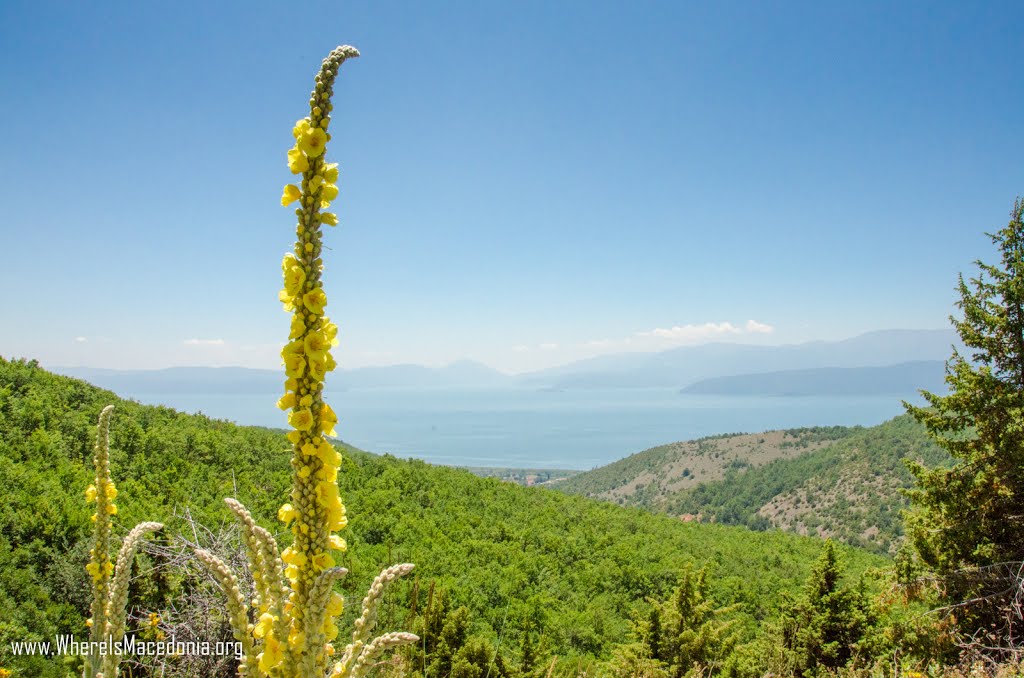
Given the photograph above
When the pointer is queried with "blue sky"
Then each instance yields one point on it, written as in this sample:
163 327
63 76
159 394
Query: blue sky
522 183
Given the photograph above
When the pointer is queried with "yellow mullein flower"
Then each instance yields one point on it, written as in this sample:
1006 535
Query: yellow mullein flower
327 453
286 513
264 626
328 473
330 331
316 344
307 401
328 419
330 172
301 127
336 604
294 278
293 437
90 493
313 141
336 519
309 449
296 638
110 491
301 420
297 328
318 368
294 366
329 218
315 300
271 655
323 561
291 194
328 192
338 544
112 509
286 402
297 162
304 472
330 630
293 348
327 494
286 299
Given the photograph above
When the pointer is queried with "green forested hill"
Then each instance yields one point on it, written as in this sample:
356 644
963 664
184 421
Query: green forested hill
562 570
832 482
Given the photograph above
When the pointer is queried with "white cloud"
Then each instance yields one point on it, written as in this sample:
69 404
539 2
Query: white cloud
549 346
688 334
80 340
520 348
758 328
204 342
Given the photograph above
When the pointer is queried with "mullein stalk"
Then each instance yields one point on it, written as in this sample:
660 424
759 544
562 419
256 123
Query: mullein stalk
108 601
292 637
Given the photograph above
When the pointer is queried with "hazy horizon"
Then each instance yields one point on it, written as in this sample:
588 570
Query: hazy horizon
608 353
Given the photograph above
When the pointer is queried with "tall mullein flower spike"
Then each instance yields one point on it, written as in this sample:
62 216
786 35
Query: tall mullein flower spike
315 512
108 598
368 620
119 590
100 567
274 577
254 550
237 616
296 622
380 645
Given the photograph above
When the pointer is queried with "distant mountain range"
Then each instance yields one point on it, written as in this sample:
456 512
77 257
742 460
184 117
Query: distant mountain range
900 379
464 373
683 366
902 362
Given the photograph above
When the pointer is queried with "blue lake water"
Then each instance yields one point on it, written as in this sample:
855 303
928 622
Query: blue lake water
526 428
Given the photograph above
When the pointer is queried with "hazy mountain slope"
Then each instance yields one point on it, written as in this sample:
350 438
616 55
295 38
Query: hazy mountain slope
903 379
653 477
849 489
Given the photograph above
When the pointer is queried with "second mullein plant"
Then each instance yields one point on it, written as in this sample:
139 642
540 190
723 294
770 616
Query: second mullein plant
109 583
294 621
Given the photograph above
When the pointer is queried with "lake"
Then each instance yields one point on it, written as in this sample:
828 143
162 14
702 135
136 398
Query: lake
528 428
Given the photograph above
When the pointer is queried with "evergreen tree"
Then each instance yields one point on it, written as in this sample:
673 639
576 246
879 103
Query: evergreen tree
967 521
829 626
685 635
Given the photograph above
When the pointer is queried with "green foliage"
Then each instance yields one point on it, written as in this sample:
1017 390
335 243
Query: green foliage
683 636
563 571
966 521
829 626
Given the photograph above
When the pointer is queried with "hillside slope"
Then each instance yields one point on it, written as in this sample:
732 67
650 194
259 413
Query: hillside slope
844 483
568 569
652 477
